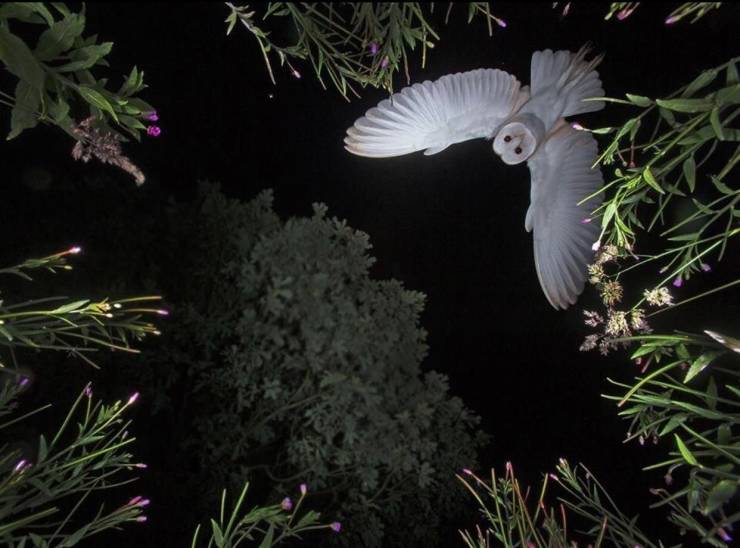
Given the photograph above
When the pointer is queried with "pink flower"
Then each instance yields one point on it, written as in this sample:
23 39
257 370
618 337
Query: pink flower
88 391
287 504
501 23
384 62
467 472
678 282
153 131
672 19
373 48
133 398
24 381
335 526
141 519
152 116
303 489
705 267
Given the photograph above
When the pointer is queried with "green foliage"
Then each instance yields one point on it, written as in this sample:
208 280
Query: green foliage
365 43
675 193
303 368
270 524
46 497
55 74
79 327
696 9
516 519
693 401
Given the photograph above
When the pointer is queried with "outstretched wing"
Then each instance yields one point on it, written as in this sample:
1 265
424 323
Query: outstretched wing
434 115
561 177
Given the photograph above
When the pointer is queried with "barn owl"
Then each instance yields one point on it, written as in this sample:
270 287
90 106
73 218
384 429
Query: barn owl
525 124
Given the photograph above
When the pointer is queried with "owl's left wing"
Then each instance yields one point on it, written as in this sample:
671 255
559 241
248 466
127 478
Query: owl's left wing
434 115
561 177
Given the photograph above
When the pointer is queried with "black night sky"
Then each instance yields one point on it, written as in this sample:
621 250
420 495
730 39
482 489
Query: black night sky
449 225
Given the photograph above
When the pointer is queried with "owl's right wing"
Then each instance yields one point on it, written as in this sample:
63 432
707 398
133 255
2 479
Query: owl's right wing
561 178
434 115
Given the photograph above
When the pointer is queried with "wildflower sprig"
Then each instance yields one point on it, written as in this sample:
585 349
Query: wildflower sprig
46 495
691 398
622 10
516 518
269 525
663 172
360 43
55 80
79 327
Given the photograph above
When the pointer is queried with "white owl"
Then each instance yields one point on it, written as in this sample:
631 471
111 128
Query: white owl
525 124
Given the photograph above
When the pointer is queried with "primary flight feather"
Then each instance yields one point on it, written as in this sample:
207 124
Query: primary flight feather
526 124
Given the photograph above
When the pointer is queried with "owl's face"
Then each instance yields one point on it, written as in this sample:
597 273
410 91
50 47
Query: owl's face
515 142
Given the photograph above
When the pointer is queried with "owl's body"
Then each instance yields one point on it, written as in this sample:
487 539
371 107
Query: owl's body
525 124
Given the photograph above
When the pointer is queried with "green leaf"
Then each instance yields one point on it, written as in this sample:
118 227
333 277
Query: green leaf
732 76
86 57
689 172
70 307
700 363
639 100
96 99
269 536
218 536
672 424
685 105
720 494
725 340
28 12
42 449
609 212
716 124
59 37
687 455
19 59
723 188
728 96
24 114
648 177
701 81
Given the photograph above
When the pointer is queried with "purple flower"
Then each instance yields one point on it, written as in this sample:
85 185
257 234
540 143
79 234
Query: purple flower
672 19
374 48
141 465
303 489
586 220
501 23
296 74
335 526
705 267
678 282
153 131
287 504
384 62
152 116
141 519
134 501
22 465
133 398
467 472
24 381
163 312
88 391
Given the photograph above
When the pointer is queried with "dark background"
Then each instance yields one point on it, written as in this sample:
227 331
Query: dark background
450 225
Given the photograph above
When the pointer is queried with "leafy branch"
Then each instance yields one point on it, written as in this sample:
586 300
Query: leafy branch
353 42
79 327
65 472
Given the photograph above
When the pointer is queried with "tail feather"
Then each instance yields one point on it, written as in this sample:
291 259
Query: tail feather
571 75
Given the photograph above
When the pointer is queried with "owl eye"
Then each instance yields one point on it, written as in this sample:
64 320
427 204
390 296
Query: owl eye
518 150
507 138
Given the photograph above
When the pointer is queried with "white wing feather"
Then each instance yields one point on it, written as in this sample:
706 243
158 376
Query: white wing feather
561 177
434 115
561 81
